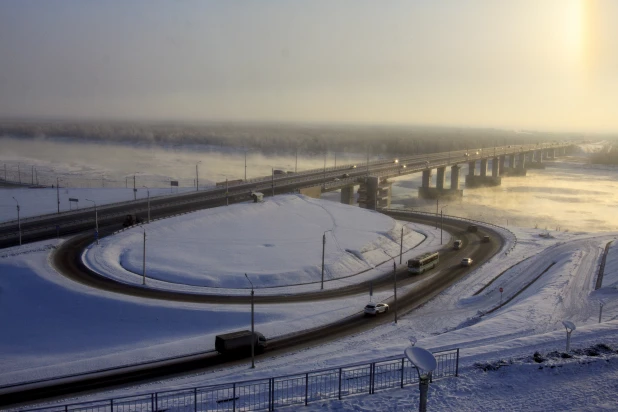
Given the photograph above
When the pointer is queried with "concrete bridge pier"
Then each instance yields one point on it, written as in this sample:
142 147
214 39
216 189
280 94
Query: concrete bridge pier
511 161
483 167
455 177
428 192
347 195
522 161
374 193
482 179
440 178
427 178
501 165
536 161
495 168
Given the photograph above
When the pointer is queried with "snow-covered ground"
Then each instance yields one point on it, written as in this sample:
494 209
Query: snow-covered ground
277 243
58 326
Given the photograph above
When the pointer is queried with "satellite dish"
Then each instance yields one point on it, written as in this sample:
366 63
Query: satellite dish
568 324
421 358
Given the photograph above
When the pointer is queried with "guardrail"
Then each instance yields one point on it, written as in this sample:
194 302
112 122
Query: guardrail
276 392
511 234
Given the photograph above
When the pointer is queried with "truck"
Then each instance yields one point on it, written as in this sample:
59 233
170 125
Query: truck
131 220
240 342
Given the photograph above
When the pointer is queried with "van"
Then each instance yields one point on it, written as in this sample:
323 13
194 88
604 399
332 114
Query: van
457 244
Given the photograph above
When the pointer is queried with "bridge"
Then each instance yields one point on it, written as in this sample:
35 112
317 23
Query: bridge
371 178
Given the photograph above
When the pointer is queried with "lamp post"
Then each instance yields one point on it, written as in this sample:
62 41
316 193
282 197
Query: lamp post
58 192
394 284
197 177
18 220
96 220
144 260
441 221
323 250
148 193
252 325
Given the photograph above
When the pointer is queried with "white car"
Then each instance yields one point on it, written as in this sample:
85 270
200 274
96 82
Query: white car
466 262
375 308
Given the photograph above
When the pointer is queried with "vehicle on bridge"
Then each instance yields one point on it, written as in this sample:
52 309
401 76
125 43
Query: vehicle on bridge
240 342
343 176
423 262
353 167
131 220
278 172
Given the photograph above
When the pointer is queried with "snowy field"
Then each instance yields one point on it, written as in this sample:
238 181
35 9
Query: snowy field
59 327
277 243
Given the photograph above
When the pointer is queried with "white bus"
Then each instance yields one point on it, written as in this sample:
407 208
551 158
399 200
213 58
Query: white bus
424 262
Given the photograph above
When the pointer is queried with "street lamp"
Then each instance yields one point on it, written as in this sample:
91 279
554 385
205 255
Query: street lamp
58 192
144 260
441 222
197 177
323 248
424 360
252 326
18 220
148 192
394 284
96 220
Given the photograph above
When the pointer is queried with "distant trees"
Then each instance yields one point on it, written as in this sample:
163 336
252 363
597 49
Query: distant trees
280 138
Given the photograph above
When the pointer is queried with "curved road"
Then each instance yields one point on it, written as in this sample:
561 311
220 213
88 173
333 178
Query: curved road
67 261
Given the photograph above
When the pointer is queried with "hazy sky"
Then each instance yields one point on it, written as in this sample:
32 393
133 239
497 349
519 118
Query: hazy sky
537 64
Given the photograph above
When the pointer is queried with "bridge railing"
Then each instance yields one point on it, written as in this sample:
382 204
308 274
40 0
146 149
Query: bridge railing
276 392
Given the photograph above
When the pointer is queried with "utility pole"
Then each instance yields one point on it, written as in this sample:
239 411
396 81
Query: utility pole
401 247
323 249
18 220
58 192
324 184
197 177
148 192
252 325
395 287
144 261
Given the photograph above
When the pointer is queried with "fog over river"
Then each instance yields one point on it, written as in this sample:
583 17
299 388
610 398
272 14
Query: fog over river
570 194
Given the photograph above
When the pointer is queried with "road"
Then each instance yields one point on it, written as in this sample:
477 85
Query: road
66 259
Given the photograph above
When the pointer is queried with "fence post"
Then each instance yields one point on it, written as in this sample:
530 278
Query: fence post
403 360
152 406
339 383
372 374
234 397
306 388
195 399
111 404
457 364
270 393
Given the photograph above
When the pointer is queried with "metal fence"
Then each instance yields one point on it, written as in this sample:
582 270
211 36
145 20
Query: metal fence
271 393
